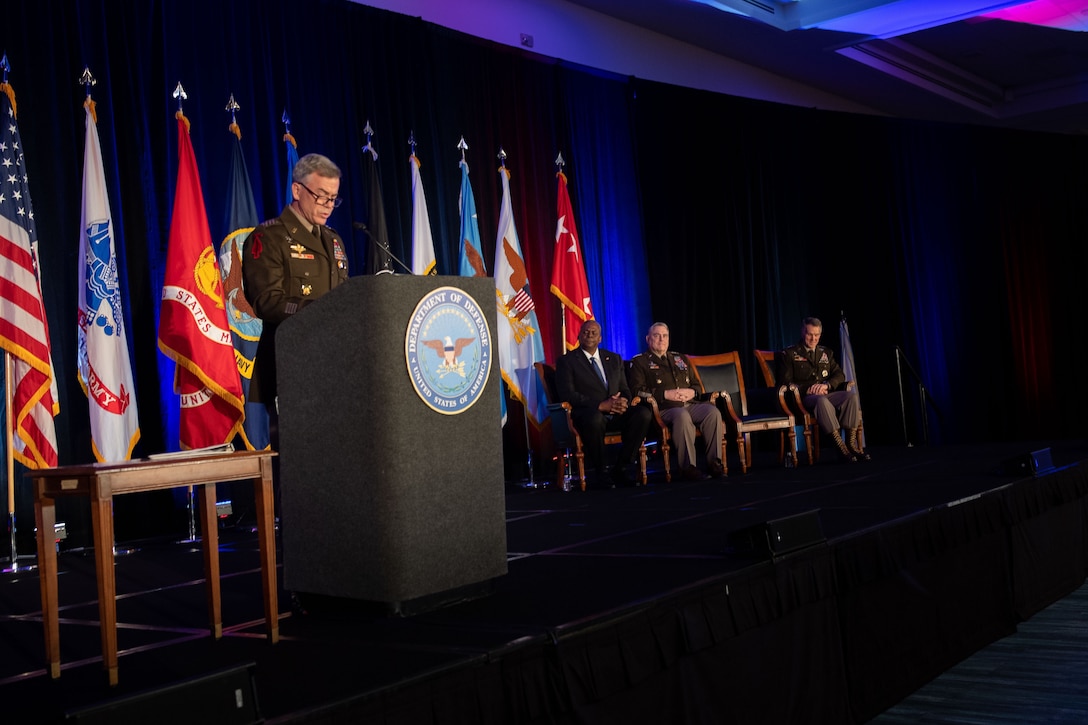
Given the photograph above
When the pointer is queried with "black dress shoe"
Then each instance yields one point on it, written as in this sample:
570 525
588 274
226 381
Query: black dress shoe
601 480
621 478
691 473
716 469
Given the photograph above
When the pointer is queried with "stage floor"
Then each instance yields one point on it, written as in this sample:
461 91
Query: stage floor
577 562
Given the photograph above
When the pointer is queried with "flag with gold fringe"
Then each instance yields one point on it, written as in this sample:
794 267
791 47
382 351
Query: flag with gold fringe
569 282
245 326
24 329
519 337
102 355
193 327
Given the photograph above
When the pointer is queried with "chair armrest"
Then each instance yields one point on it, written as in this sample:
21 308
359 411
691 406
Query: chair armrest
725 404
649 400
562 424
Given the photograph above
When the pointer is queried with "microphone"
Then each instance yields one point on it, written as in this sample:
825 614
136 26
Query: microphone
363 228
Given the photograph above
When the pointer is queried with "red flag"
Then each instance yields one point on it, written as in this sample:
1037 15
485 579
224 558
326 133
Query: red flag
24 330
194 330
569 270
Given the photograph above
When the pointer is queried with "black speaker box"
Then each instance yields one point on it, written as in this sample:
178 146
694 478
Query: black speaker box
224 697
778 537
1027 464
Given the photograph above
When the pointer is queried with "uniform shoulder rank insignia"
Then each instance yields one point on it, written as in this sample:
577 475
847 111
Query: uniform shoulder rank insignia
269 222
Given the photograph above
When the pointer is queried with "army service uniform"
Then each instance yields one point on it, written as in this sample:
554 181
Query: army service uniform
286 266
650 374
837 409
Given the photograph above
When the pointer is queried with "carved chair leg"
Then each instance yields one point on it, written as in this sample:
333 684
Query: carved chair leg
742 452
665 459
642 464
725 452
580 458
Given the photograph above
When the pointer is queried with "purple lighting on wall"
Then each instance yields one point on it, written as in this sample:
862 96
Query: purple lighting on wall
1062 14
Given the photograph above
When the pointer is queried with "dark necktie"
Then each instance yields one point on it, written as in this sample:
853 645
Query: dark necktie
317 232
597 369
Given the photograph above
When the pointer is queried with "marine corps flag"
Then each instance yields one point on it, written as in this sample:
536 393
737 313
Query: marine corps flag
423 260
569 270
520 345
24 329
193 327
245 326
105 372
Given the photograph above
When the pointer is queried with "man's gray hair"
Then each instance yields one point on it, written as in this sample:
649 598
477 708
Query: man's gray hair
315 164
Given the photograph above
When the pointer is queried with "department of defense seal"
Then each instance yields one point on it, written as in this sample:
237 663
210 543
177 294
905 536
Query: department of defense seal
448 350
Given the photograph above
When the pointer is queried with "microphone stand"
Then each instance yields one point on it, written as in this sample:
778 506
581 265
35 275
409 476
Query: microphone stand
363 228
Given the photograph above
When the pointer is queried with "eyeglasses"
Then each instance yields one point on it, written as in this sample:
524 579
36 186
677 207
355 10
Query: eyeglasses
321 199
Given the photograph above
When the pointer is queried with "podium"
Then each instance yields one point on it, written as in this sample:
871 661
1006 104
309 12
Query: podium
391 469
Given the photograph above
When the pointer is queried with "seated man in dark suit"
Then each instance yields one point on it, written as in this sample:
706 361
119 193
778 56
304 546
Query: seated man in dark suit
594 382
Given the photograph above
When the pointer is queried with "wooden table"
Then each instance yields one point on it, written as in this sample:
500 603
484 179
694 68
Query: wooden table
101 482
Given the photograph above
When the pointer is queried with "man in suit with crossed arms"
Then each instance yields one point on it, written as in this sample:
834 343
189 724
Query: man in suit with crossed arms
594 382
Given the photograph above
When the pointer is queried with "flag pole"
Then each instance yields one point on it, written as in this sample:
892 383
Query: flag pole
531 483
9 460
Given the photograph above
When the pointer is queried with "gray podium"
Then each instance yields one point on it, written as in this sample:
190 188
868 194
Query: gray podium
390 456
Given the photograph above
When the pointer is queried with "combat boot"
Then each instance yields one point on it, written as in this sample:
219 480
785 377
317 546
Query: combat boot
855 445
844 453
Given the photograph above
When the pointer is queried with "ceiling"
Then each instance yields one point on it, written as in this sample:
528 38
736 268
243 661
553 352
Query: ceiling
958 61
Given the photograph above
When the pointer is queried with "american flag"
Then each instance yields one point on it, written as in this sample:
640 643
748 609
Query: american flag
24 330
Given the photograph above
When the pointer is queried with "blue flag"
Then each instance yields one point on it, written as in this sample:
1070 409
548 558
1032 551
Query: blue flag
472 260
292 159
245 326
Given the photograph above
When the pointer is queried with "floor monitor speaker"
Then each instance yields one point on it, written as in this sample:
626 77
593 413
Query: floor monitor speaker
778 537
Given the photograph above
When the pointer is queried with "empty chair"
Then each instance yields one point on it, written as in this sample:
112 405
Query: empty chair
744 414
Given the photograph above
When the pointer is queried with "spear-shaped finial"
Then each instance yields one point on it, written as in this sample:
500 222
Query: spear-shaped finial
463 146
286 122
502 157
87 81
5 66
369 147
232 106
412 141
180 94
559 162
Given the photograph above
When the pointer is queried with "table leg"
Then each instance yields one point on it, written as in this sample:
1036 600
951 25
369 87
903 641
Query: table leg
266 535
102 526
209 528
45 517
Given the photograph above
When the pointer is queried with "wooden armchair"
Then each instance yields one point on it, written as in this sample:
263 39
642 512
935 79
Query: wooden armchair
666 437
790 396
722 373
806 417
566 435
